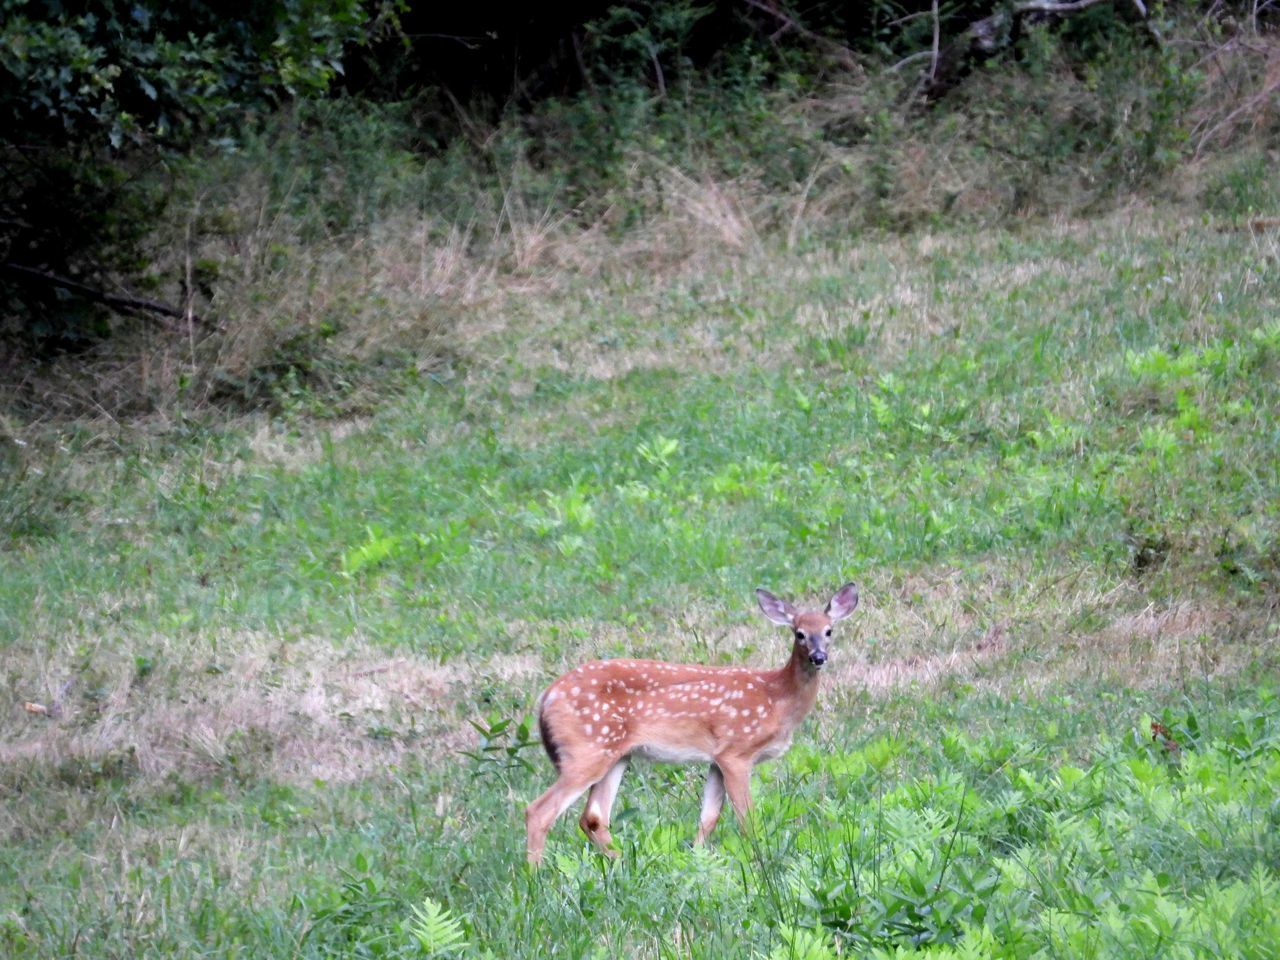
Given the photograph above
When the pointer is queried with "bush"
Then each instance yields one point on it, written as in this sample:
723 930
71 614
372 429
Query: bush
96 100
338 232
1245 186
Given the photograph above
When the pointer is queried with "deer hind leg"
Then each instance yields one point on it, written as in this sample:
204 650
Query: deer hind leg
595 818
574 781
712 804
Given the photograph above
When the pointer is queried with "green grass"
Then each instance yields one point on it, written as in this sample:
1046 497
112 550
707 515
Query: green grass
1013 823
1049 456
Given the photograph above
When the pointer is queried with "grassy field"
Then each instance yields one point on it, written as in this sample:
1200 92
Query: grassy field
277 674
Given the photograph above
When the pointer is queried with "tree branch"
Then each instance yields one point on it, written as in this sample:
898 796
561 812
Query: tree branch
126 304
787 22
989 34
937 32
1047 6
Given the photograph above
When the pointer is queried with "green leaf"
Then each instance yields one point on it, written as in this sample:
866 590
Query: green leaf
435 929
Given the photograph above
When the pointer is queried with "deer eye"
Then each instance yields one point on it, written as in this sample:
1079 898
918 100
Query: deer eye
827 632
799 634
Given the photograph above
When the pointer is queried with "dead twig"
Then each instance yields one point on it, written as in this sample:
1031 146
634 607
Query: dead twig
787 22
119 302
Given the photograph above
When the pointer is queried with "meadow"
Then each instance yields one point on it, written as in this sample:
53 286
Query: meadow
267 680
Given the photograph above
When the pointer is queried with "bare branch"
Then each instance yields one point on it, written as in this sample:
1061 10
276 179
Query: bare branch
909 17
471 43
910 58
1047 6
787 22
127 304
937 30
657 73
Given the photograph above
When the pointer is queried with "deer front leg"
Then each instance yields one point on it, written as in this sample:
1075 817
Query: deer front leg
737 783
544 811
712 804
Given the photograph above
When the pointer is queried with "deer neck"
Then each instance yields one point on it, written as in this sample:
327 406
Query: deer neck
798 682
802 674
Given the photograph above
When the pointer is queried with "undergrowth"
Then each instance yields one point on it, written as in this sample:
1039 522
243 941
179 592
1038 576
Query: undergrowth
332 248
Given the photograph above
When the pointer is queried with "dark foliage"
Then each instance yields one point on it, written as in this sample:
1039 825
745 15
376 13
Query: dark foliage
94 97
98 97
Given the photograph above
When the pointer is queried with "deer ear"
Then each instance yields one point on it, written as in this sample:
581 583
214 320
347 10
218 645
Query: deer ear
843 603
779 611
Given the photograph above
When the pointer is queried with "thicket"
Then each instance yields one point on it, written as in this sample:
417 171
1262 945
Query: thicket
200 211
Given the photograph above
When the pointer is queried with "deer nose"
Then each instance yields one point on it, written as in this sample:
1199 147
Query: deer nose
817 658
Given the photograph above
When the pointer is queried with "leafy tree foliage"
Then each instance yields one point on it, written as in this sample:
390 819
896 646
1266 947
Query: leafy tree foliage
93 93
96 95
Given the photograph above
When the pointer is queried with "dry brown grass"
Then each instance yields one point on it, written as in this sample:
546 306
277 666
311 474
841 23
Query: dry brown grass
276 443
428 291
1178 643
289 709
1013 635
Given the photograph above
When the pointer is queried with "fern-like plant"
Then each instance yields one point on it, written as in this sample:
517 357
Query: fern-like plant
436 929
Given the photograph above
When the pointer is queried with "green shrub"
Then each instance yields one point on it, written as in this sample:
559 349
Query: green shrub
1245 186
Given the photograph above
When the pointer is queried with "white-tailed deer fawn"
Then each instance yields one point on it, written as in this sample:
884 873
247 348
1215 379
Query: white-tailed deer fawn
597 715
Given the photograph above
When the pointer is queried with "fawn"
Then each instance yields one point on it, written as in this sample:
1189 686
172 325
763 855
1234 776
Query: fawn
596 716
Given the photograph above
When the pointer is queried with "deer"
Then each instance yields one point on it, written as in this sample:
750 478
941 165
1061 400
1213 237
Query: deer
600 714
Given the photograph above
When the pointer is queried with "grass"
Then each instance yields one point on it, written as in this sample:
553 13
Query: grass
280 667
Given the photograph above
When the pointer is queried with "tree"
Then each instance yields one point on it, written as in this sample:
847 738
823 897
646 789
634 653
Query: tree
95 94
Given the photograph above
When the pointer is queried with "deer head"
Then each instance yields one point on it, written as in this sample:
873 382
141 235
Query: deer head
812 630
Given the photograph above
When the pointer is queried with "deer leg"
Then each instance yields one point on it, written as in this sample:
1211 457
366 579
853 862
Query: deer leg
737 783
575 780
712 804
543 812
595 818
